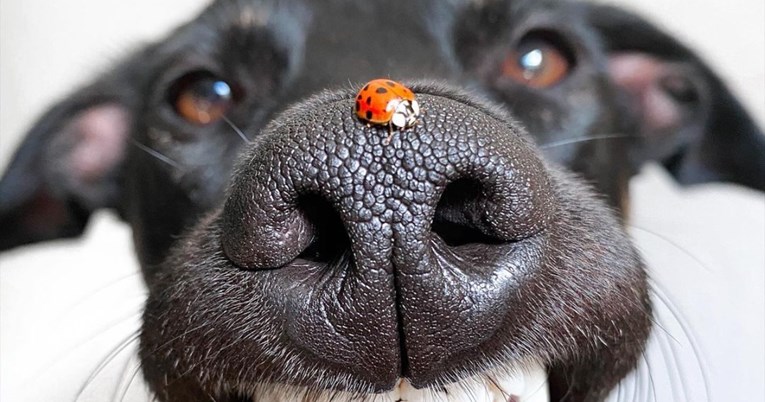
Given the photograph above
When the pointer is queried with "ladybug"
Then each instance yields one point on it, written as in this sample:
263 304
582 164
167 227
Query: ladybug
383 101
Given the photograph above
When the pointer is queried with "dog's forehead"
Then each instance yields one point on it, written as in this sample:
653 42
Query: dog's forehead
337 41
362 40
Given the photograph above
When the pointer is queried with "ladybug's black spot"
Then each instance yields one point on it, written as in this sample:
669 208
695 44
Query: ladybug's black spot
391 84
369 115
358 97
369 100
366 87
358 105
381 90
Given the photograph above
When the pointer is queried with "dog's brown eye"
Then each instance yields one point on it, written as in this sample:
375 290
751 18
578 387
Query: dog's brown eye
537 62
201 98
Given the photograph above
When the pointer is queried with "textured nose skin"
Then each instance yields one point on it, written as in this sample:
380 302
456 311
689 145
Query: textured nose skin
402 301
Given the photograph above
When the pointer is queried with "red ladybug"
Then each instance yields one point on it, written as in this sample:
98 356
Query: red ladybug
383 101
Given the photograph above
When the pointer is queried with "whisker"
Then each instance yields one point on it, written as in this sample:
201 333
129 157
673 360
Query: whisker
669 349
570 382
123 389
586 138
207 358
674 244
159 348
651 383
658 324
620 386
662 296
105 362
155 154
134 316
236 130
667 353
637 383
627 388
104 288
59 357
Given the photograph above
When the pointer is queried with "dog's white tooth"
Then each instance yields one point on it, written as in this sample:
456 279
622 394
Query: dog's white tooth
471 389
536 387
395 394
511 385
528 385
468 390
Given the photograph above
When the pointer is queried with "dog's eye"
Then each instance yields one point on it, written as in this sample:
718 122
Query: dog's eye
201 98
537 61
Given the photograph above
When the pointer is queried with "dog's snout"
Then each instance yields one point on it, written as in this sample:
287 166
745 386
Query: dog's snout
406 234
461 170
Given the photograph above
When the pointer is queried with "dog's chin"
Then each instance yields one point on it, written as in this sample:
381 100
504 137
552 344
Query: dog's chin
527 384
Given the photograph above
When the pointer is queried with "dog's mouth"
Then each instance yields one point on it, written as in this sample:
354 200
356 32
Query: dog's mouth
528 384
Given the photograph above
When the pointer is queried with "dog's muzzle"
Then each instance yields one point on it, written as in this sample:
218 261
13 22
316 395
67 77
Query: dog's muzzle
415 248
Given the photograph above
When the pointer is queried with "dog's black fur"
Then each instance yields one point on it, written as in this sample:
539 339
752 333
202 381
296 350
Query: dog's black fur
330 259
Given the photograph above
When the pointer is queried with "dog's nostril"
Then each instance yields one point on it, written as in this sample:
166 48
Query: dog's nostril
457 220
330 242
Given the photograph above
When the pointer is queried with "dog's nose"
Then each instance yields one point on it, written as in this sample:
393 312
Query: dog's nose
413 247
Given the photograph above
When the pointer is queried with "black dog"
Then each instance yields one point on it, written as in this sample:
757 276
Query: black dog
329 260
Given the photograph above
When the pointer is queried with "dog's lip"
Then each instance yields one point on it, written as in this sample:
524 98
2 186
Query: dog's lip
527 384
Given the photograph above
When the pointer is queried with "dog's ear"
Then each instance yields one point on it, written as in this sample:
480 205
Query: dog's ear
689 121
69 164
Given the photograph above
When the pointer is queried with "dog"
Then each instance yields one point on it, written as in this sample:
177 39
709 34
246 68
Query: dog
551 280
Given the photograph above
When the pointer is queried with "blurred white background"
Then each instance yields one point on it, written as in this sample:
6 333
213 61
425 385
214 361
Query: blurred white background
66 305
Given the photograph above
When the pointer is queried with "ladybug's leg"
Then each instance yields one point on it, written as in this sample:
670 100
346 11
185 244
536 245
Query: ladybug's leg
390 134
